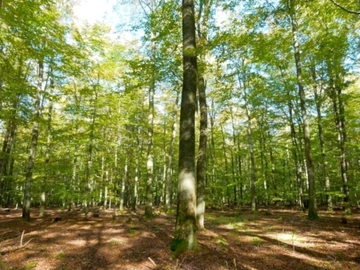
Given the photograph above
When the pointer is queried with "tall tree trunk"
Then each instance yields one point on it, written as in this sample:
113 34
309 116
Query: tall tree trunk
122 187
296 156
252 158
339 113
169 160
150 156
318 103
312 214
7 160
242 82
33 147
211 151
202 28
185 229
88 174
201 158
47 153
226 163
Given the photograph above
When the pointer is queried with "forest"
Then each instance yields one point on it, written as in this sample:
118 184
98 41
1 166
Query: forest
209 104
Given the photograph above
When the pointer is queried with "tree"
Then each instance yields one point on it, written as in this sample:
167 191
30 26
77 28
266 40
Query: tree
185 228
312 214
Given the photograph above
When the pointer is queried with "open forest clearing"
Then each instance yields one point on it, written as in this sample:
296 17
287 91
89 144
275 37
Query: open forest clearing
232 240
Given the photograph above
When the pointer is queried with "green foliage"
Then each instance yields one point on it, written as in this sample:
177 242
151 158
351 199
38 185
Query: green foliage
98 90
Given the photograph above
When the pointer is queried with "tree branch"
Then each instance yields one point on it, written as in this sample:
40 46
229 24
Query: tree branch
345 9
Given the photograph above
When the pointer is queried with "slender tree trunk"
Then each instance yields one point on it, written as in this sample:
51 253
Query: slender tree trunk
185 229
7 159
318 103
252 159
136 186
339 113
168 182
250 144
296 156
33 147
88 174
47 160
122 188
312 214
212 159
226 163
202 28
201 158
150 157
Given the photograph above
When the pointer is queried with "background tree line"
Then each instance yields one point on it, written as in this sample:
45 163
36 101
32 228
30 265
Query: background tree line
86 119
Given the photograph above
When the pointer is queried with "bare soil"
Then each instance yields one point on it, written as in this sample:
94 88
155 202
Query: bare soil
232 240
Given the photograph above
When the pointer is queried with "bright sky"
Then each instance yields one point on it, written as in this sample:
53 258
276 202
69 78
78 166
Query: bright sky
94 10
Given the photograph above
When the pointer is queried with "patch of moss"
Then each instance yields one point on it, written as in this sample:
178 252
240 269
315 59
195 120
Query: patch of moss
179 246
30 265
60 255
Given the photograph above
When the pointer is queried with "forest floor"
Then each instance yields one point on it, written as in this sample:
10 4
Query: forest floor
232 240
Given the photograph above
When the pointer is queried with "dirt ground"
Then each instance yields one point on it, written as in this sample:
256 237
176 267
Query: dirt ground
232 240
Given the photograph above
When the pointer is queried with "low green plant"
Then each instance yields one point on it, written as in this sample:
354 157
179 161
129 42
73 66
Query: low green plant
222 242
60 255
30 265
257 241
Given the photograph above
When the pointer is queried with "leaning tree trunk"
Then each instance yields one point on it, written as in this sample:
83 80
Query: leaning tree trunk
312 214
185 229
33 147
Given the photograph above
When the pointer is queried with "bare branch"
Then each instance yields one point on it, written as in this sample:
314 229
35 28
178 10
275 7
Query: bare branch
345 9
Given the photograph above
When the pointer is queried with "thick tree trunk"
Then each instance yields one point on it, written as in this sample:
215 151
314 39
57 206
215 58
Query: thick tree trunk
312 214
33 147
201 158
185 229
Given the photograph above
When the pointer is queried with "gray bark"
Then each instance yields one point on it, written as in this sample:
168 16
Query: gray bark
185 229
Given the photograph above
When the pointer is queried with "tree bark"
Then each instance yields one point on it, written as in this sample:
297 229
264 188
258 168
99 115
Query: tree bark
339 113
312 213
318 103
150 155
201 158
47 160
169 159
33 147
185 229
